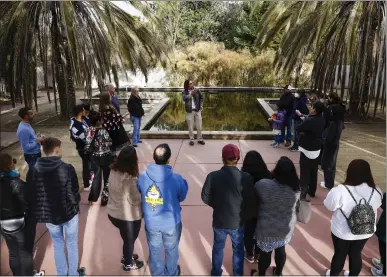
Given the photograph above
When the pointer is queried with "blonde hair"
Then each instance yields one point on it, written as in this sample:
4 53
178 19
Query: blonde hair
135 92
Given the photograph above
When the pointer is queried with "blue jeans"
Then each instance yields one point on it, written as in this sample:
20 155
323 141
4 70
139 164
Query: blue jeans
288 125
157 239
57 233
278 139
237 239
31 159
136 129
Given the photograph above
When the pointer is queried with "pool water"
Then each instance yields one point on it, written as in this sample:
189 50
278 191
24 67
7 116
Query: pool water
222 111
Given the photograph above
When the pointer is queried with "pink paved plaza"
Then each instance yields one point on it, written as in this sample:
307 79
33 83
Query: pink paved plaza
309 252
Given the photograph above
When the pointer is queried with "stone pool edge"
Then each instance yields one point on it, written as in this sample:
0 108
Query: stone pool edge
222 135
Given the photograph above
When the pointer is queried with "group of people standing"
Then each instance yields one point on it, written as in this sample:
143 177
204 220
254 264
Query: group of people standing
316 135
256 207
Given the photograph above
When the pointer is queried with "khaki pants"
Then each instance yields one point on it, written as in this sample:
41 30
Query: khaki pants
194 117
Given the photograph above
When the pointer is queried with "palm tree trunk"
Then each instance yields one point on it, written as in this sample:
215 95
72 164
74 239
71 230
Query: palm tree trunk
54 83
64 72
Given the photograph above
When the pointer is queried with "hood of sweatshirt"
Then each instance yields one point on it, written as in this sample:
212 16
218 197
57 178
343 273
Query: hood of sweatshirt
48 164
159 173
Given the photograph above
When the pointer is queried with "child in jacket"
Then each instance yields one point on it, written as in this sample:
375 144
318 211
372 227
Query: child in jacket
278 120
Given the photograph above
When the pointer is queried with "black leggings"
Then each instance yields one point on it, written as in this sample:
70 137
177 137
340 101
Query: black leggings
382 250
100 170
129 231
265 261
344 248
249 240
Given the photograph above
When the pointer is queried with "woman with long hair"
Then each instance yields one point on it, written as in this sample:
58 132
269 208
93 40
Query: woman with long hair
278 198
124 206
253 164
16 226
136 113
98 143
112 122
355 204
334 120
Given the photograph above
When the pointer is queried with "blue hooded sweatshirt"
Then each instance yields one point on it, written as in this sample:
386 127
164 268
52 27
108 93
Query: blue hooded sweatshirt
161 193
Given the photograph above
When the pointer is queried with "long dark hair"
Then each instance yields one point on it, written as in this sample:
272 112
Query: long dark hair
254 164
6 162
285 173
127 162
105 102
359 172
186 85
335 97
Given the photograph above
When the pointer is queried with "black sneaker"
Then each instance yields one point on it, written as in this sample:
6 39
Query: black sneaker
253 272
135 265
191 143
201 142
82 271
178 270
135 257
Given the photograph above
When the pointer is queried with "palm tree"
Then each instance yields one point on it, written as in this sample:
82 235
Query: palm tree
80 40
342 36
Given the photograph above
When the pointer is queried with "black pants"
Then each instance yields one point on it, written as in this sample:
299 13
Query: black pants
382 250
265 261
249 240
100 166
20 246
86 164
344 248
308 176
129 231
328 164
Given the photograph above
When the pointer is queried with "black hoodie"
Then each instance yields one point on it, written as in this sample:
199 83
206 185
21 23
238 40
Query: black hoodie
53 191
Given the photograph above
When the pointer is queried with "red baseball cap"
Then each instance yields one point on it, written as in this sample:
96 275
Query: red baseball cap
230 151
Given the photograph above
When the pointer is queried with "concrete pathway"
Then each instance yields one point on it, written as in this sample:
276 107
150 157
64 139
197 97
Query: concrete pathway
309 252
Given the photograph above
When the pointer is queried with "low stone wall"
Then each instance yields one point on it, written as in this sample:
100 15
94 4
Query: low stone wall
259 135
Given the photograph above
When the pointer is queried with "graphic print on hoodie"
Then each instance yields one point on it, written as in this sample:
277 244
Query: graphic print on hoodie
161 192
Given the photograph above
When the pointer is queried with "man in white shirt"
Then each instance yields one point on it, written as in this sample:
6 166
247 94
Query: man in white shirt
311 130
193 99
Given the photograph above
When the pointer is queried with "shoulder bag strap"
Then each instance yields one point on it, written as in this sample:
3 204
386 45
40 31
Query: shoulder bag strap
351 194
372 193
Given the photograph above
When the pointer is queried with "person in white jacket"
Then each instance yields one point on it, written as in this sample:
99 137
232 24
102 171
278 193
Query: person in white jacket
341 200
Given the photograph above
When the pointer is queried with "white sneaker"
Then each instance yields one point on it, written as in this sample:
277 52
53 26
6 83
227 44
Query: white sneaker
322 184
39 273
277 145
377 272
87 189
377 263
328 273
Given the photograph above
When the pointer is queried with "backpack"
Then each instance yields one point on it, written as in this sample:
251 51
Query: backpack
361 221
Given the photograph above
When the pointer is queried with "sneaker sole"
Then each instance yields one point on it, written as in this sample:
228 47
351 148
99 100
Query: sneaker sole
249 261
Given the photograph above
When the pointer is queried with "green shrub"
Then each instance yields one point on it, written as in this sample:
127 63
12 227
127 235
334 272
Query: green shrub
213 65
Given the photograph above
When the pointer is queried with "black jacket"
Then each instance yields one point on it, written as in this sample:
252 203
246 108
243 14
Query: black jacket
334 123
53 191
135 106
311 131
286 102
188 98
12 198
230 192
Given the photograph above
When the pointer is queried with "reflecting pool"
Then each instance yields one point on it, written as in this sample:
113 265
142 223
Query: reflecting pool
222 111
